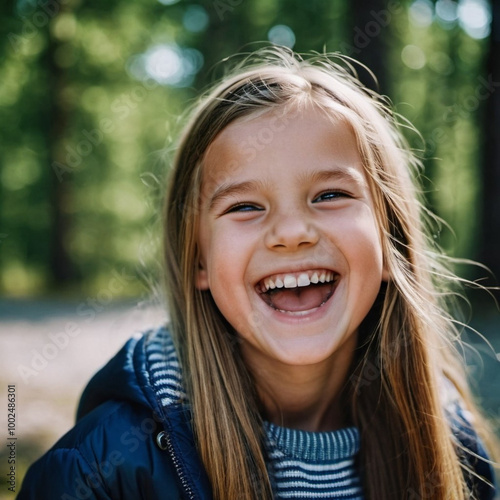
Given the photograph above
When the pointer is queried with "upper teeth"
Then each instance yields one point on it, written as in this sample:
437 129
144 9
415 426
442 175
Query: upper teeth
298 279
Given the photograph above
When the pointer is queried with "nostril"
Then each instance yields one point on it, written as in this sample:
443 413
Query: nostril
291 234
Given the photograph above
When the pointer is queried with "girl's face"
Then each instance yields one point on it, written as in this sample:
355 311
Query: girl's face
290 249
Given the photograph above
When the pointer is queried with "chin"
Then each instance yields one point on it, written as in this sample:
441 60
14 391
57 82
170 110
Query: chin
305 351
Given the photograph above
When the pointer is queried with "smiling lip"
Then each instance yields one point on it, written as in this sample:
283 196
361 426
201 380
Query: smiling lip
320 282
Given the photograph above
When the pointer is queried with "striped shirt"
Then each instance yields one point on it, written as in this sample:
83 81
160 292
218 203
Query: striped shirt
313 464
301 464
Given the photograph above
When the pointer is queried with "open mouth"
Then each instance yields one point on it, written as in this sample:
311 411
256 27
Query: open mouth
298 293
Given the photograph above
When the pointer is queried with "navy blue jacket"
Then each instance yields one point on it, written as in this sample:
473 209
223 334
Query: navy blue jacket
124 446
127 446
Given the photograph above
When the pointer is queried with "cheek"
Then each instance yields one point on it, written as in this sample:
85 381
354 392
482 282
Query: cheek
366 273
232 241
225 257
372 255
363 251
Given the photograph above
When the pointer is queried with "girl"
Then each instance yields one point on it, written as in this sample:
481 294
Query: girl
309 354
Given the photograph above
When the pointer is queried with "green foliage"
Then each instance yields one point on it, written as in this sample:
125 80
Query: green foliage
443 99
86 130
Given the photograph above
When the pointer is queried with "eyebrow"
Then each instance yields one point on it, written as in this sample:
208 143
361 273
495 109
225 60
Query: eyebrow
348 174
344 174
227 190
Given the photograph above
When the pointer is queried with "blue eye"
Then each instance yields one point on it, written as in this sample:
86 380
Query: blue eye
243 207
330 195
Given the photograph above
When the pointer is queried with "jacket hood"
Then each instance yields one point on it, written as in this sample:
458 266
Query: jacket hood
123 378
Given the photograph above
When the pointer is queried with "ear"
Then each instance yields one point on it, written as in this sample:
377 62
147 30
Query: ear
385 274
202 278
385 271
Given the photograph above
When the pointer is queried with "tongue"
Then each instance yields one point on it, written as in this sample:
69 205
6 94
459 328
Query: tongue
299 299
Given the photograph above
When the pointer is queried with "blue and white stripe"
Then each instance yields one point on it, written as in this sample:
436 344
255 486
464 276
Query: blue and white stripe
314 464
164 368
301 464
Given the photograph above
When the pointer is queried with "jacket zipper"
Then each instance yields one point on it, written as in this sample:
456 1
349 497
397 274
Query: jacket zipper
178 467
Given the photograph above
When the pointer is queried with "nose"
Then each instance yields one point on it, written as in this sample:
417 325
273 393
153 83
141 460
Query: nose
291 231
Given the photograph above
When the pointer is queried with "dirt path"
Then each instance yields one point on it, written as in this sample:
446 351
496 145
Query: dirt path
49 350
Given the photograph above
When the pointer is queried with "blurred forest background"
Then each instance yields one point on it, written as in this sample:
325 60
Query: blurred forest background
91 94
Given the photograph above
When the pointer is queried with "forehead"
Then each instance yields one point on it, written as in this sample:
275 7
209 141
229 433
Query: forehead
306 137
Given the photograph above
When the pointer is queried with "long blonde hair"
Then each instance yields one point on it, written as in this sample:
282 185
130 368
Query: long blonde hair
405 355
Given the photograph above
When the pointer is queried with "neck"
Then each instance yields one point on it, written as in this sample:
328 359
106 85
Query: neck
306 397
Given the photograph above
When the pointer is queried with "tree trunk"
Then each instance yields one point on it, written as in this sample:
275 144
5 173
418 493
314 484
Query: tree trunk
490 224
61 269
370 24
